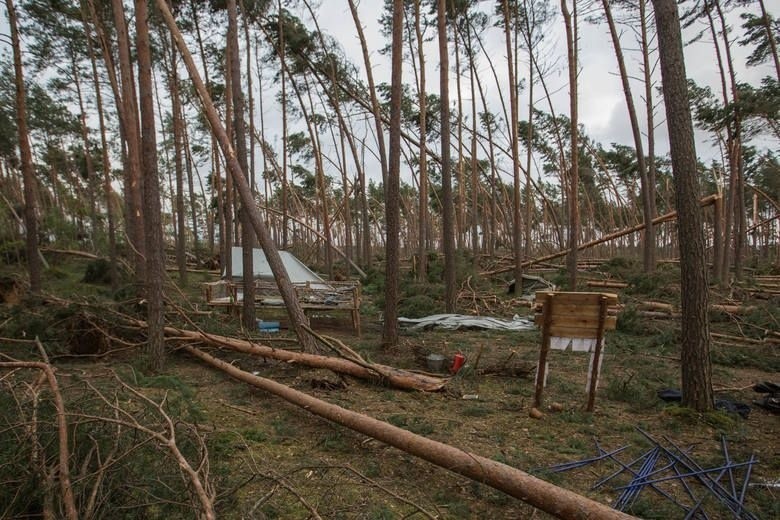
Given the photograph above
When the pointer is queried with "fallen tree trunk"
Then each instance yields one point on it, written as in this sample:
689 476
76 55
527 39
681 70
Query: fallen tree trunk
613 284
395 377
552 499
706 201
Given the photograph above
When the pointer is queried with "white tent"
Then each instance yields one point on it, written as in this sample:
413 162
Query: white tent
296 270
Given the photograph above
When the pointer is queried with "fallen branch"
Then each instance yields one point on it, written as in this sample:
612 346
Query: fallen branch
557 501
395 377
706 201
62 431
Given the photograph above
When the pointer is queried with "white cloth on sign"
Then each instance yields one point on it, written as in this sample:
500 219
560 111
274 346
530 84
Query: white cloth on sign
577 344
590 367
557 343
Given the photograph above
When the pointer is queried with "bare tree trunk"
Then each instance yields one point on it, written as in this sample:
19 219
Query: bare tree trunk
448 218
90 167
134 222
283 72
155 253
574 174
422 246
178 151
372 92
295 312
647 70
648 246
517 235
695 352
25 153
107 191
555 500
239 134
392 189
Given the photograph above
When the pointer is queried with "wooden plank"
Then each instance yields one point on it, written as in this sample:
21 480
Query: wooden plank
562 331
577 298
578 321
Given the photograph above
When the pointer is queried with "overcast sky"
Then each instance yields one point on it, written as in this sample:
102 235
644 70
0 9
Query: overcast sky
602 105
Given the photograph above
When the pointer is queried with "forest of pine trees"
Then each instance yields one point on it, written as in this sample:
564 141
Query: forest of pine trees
395 138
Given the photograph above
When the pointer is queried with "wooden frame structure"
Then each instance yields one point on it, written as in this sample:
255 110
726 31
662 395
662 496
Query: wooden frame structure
324 296
573 316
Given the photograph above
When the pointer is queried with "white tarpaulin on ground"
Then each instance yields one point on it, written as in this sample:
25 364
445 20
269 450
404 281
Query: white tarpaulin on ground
296 270
457 321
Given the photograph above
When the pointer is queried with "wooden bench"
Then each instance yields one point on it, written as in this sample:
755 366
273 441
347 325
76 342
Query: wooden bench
324 296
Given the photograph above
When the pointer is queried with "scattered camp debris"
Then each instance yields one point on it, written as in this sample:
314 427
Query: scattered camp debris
674 474
457 321
771 401
579 319
313 292
671 395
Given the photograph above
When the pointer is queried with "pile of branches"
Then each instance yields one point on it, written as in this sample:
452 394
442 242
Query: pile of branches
73 446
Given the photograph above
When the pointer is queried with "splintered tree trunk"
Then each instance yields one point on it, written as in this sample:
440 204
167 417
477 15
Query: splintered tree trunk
239 133
155 254
295 312
448 217
574 174
392 211
695 348
28 173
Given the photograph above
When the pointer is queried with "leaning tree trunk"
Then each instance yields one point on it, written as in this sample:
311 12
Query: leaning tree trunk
295 312
557 501
695 346
648 246
25 152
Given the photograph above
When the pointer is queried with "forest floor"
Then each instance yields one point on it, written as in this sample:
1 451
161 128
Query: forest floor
270 459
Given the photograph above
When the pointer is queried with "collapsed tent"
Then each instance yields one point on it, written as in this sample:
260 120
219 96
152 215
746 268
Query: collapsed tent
297 271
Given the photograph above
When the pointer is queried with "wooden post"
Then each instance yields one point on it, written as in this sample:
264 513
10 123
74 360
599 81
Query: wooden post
542 365
597 354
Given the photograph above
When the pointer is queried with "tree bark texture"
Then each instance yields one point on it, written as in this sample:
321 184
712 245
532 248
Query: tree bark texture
134 224
392 190
155 249
695 348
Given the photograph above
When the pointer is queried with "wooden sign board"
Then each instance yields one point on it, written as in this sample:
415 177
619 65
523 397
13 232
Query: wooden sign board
575 315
